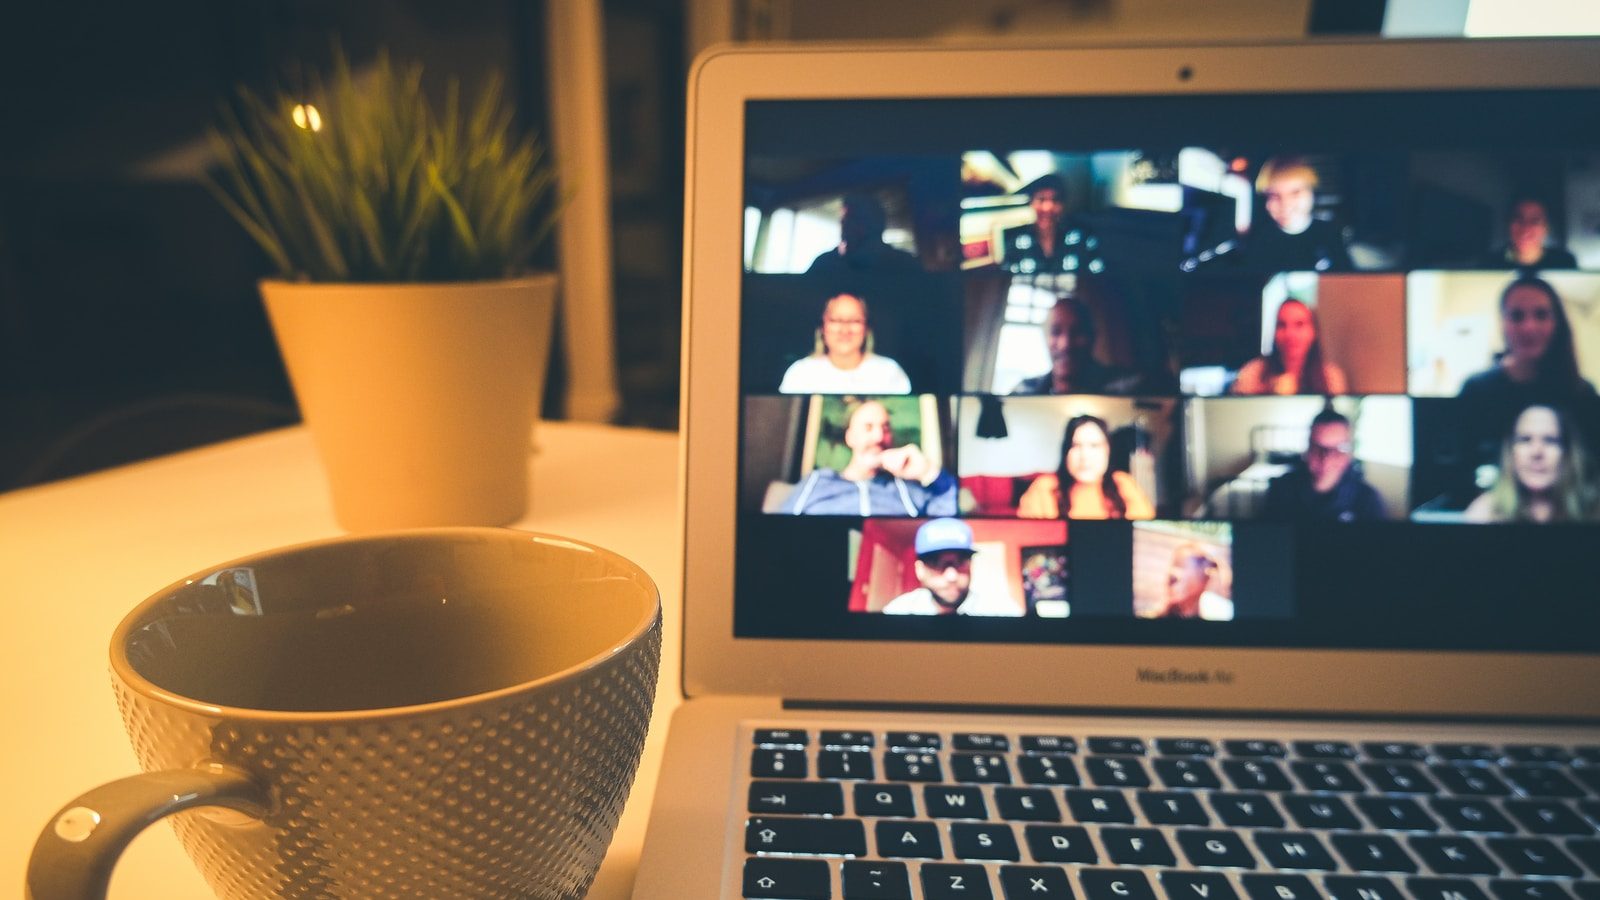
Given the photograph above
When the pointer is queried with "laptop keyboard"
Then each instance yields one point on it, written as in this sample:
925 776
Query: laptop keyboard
898 815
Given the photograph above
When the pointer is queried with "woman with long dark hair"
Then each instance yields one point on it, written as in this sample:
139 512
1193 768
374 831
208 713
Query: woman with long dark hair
1084 486
1296 364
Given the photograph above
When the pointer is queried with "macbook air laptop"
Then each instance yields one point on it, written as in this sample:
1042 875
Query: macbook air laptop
1140 472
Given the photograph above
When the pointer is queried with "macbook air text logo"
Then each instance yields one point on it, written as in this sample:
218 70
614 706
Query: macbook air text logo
1175 675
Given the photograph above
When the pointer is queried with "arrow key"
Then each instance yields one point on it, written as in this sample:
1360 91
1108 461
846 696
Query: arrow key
798 797
876 881
787 879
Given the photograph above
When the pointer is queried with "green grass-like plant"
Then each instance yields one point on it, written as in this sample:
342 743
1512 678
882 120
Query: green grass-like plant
388 189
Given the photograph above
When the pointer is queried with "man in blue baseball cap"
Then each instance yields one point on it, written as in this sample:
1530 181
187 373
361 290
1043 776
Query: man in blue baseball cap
944 569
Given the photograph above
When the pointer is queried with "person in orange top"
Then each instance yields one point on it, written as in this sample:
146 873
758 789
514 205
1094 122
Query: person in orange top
1096 490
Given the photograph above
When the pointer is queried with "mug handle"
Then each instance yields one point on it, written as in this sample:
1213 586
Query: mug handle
74 856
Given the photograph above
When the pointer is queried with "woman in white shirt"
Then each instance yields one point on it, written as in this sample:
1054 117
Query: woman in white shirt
842 361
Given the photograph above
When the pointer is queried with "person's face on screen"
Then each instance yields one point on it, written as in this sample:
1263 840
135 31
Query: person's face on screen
948 574
1289 199
1328 455
1089 454
1067 339
1047 207
1528 228
1295 330
868 434
844 326
1528 321
1536 449
1186 581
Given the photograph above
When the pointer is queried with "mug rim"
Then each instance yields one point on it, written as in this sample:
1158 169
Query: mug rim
123 671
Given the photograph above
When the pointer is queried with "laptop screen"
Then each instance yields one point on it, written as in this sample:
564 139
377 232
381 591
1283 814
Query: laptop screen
1272 371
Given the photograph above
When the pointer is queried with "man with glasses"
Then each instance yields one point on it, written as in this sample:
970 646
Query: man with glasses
1324 486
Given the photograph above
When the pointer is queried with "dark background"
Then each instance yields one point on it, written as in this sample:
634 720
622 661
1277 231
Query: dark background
129 319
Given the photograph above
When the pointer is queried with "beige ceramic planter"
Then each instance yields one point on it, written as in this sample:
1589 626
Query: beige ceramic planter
421 398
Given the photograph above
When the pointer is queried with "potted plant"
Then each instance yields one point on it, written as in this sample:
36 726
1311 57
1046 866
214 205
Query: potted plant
415 341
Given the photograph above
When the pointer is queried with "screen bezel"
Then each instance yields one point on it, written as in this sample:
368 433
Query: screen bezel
1066 676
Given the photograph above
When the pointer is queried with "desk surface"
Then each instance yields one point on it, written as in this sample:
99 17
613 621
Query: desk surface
77 555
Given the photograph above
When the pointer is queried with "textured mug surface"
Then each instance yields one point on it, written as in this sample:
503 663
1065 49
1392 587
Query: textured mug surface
508 783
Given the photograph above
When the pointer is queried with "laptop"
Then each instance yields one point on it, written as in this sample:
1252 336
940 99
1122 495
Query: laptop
1120 473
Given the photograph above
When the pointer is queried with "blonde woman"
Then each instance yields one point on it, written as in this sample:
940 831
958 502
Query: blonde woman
841 360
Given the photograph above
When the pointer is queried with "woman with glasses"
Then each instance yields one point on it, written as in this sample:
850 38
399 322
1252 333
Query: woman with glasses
841 360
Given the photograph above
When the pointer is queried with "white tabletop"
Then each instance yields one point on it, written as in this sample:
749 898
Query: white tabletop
75 556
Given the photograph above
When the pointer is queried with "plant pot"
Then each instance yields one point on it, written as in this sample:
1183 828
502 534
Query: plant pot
421 398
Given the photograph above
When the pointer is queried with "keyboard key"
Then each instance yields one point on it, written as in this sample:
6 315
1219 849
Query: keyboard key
1293 850
1059 843
1444 889
1172 808
858 740
913 740
1279 887
884 800
1255 749
1048 743
1246 810
1590 776
1115 884
987 841
1398 778
1256 775
1586 890
1320 812
1026 804
1034 883
1533 856
912 767
1466 753
1541 781
1192 774
845 764
1216 849
1373 853
1589 754
1396 814
781 737
946 802
1506 889
800 798
1472 816
1325 750
1358 887
1477 781
875 880
1047 769
948 881
908 840
787 879
1327 776
1396 751
1197 886
1099 806
979 768
1117 771
1137 847
1548 817
1454 855
1185 747
1116 746
1537 753
975 742
768 763
820 837
1588 851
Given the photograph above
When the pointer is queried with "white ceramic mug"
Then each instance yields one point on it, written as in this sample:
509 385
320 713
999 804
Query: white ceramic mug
435 713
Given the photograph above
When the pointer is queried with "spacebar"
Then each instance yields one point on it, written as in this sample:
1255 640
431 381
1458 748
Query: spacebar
818 837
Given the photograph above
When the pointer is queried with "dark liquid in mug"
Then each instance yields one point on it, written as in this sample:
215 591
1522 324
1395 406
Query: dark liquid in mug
373 655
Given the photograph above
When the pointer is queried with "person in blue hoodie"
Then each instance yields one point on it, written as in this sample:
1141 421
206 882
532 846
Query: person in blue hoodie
1325 485
879 480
